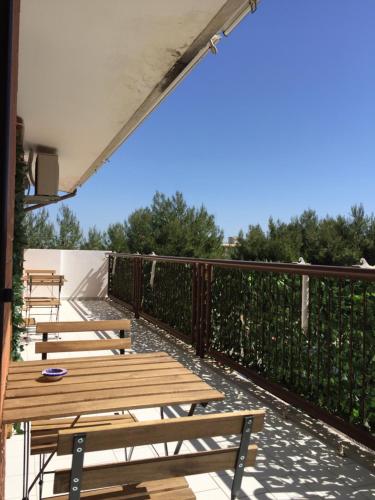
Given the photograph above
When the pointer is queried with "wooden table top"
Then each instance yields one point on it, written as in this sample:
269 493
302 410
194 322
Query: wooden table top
101 384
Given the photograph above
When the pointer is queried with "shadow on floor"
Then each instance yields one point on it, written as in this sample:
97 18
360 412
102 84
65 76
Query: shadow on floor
291 463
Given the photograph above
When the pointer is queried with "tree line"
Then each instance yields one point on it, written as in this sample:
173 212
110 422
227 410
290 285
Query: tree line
170 227
167 227
328 241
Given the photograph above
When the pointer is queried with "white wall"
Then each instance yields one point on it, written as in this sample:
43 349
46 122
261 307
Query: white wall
85 271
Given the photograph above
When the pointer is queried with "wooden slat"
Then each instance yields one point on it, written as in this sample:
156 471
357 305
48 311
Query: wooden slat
83 326
184 494
120 372
153 469
42 302
82 345
83 396
20 366
44 437
62 423
181 375
45 278
40 271
126 403
121 365
161 431
171 487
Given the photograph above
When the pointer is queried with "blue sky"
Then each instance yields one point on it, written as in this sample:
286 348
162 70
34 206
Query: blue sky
282 119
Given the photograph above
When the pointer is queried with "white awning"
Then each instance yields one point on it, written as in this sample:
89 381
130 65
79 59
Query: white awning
91 70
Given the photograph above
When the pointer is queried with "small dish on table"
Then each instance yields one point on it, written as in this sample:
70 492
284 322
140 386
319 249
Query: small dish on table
54 374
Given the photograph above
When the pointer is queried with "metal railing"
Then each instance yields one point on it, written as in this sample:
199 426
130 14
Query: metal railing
314 347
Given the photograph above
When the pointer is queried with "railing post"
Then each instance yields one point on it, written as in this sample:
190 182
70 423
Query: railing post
208 276
198 304
137 285
110 268
194 297
202 302
305 298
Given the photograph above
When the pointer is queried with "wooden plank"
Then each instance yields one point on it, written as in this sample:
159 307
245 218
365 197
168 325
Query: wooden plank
182 494
82 345
20 366
40 271
47 435
44 278
42 302
83 326
105 405
137 491
83 396
161 431
109 362
180 375
155 468
136 371
121 365
63 423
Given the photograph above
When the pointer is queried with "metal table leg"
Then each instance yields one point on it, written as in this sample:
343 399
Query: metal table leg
162 417
190 414
26 460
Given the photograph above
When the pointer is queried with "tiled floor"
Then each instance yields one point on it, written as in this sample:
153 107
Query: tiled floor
291 463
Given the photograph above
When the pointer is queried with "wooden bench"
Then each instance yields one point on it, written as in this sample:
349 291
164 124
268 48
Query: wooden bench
45 347
159 478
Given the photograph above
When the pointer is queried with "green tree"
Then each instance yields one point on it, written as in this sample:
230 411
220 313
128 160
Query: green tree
139 231
329 241
69 229
95 240
39 230
170 227
116 239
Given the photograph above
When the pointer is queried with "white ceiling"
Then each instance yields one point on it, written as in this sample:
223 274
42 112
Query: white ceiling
91 70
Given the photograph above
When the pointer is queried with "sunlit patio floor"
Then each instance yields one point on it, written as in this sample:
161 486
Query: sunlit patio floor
292 463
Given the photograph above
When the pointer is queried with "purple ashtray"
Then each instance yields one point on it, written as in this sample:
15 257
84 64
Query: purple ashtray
53 374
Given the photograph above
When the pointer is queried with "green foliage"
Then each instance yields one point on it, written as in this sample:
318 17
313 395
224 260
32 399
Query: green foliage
40 231
70 234
95 240
327 241
255 320
19 242
170 227
116 239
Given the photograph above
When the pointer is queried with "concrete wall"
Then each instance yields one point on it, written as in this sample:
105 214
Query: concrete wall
85 271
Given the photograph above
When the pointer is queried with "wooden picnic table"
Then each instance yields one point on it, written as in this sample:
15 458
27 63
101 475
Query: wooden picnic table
96 385
101 384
